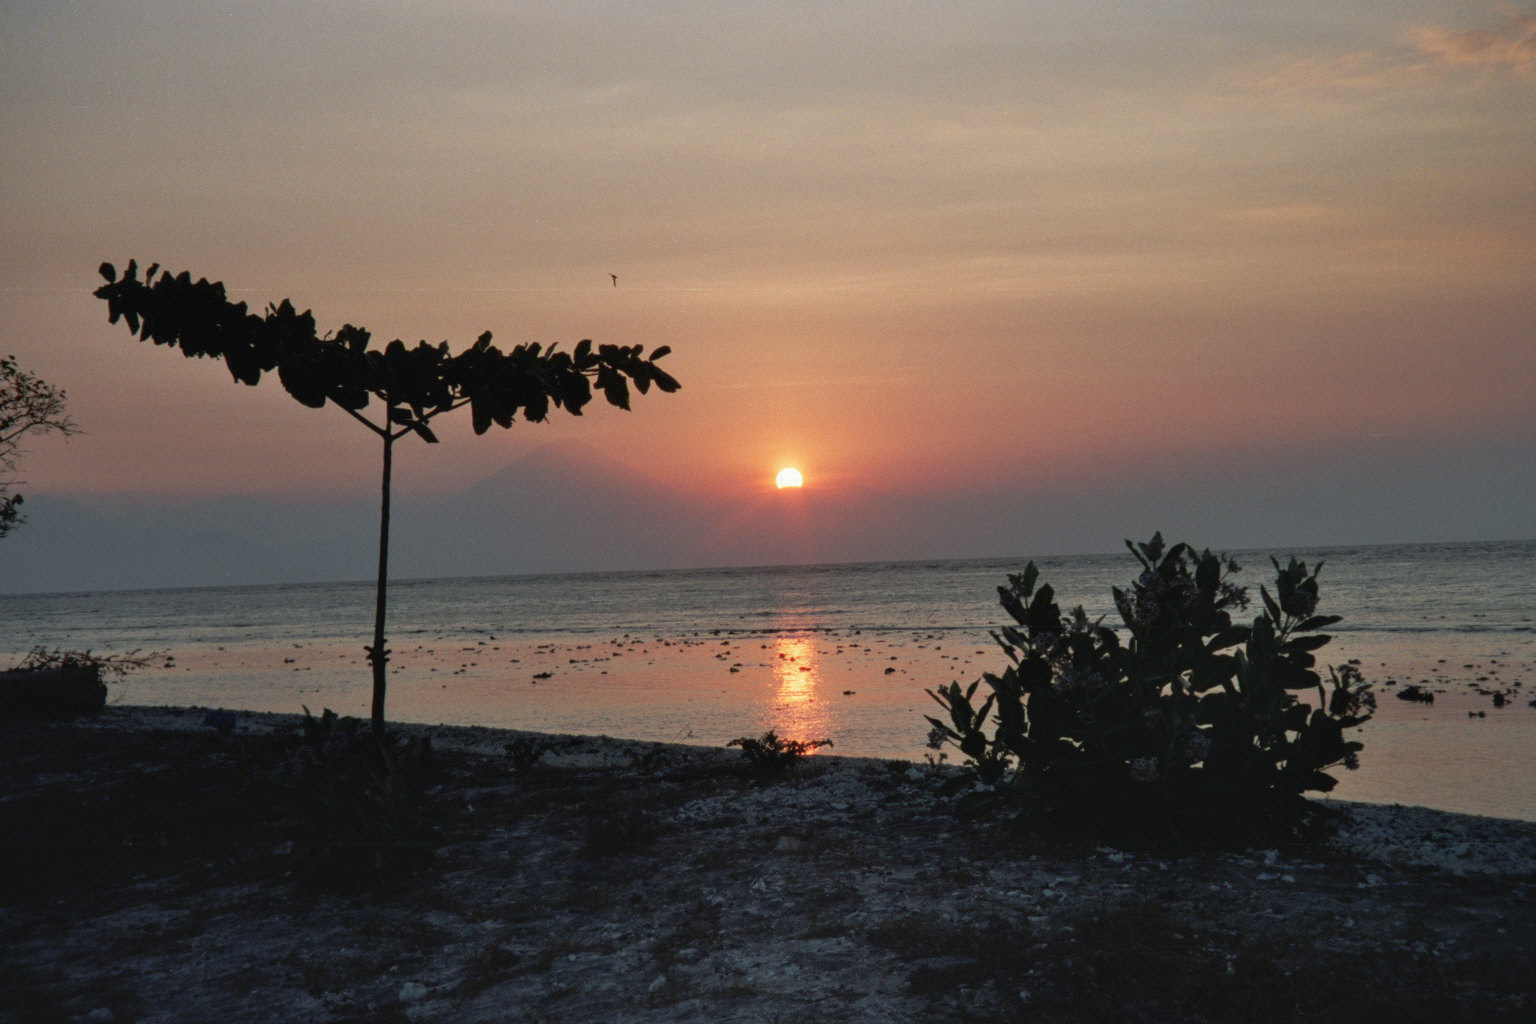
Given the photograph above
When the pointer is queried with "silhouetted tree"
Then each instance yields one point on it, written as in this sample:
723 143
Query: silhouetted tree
415 385
28 404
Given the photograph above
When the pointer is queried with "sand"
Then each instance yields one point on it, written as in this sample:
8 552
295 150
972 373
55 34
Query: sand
150 879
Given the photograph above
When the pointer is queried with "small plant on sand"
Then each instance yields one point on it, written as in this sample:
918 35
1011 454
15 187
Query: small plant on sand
1183 724
525 751
360 798
769 755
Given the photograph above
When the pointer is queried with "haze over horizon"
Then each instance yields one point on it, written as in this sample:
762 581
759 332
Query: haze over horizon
999 279
566 507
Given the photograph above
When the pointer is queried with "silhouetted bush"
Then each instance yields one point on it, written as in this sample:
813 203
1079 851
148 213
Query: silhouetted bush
769 754
58 684
1181 725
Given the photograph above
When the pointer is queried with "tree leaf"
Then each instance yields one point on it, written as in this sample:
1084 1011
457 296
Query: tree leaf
1269 604
298 383
1306 643
617 392
480 413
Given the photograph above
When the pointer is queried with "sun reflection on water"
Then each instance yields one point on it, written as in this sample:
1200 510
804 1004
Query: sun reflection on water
800 710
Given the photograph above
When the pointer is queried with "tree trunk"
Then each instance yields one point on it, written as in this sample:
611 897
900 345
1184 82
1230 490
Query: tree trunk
378 657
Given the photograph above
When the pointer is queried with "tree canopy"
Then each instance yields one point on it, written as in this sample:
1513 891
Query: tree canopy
415 384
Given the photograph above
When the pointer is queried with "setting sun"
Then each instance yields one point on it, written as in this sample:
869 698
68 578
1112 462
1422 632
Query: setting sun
788 477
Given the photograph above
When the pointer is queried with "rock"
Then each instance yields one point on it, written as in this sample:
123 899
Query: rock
413 992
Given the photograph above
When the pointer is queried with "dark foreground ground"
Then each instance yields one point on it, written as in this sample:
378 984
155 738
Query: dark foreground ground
155 870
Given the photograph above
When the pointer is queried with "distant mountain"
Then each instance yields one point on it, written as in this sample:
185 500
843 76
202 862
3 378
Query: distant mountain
563 507
568 507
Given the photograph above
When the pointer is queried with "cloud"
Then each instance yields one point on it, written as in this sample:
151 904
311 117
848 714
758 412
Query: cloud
1511 48
1362 71
1430 52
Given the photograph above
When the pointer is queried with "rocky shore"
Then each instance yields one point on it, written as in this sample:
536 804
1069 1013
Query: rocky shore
150 876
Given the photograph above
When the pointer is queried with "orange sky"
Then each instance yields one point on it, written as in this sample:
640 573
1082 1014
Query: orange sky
908 249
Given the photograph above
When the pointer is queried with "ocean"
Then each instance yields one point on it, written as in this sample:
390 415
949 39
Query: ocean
843 652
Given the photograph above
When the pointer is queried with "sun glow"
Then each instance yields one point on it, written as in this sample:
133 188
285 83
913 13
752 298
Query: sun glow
788 477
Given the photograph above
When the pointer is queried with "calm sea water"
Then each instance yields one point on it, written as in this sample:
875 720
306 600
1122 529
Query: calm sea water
837 651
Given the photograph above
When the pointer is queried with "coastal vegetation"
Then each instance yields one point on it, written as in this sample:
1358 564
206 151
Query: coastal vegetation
413 385
28 405
770 754
1193 727
53 683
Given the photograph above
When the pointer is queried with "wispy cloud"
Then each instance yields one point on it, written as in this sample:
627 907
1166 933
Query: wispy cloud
1361 71
1511 48
1425 54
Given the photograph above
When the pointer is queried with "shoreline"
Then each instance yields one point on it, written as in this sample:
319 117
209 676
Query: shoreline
1423 837
1465 753
707 657
1400 733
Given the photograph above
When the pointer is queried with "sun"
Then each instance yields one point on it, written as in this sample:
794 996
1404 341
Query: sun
788 477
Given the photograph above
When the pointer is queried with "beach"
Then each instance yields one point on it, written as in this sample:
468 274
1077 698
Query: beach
862 689
619 880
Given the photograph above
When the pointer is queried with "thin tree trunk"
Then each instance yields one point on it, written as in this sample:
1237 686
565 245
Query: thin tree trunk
377 655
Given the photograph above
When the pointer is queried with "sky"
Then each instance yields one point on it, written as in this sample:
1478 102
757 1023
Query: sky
1264 271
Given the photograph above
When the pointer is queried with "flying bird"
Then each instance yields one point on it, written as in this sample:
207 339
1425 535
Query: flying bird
615 279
